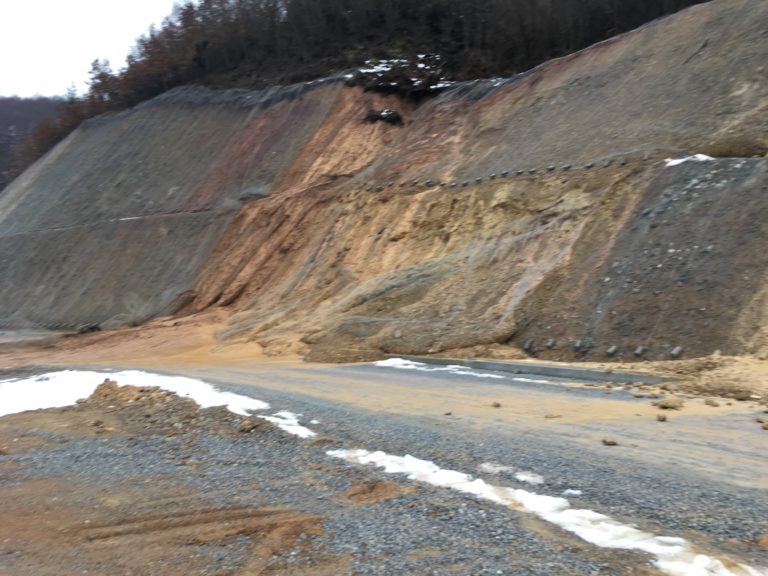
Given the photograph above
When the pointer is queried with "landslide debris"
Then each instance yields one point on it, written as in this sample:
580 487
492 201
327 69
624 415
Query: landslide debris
670 403
139 411
152 410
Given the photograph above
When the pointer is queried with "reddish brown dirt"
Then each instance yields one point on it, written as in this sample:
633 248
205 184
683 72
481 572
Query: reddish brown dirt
186 339
57 524
60 524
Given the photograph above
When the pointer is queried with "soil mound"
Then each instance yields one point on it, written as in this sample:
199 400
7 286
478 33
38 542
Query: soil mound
152 410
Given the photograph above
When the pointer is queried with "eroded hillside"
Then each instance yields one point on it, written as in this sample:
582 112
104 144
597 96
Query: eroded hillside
533 213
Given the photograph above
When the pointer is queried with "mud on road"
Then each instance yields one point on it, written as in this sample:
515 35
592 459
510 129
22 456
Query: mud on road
136 481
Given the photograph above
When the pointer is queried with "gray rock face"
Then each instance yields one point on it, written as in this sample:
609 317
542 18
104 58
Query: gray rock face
113 225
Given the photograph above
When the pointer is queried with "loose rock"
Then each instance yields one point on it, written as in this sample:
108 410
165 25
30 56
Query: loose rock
248 425
669 403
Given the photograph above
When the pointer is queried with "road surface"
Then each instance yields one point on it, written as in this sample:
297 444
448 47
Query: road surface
700 475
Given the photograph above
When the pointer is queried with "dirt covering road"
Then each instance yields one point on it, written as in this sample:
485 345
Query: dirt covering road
195 340
138 481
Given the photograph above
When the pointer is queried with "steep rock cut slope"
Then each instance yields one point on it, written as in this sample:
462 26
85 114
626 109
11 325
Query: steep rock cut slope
416 255
533 212
112 226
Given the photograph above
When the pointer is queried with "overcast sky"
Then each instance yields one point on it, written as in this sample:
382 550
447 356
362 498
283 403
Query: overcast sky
47 45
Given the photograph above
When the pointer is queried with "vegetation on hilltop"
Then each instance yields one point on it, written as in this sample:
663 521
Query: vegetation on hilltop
254 43
18 117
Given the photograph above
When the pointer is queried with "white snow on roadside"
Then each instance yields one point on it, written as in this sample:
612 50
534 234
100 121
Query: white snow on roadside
695 157
56 389
494 468
571 492
44 392
64 388
522 476
674 556
530 477
289 422
398 363
453 369
534 381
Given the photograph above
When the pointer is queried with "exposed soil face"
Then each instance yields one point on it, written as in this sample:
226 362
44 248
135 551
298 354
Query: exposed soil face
439 244
531 213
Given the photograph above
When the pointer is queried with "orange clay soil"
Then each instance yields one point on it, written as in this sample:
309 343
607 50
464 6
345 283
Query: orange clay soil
193 341
105 525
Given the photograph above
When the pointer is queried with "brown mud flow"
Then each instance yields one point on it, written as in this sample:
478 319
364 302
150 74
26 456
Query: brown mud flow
535 212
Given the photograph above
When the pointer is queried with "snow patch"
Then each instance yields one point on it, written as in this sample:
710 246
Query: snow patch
571 492
530 477
674 556
453 369
398 363
64 388
694 158
494 468
56 389
519 379
289 422
522 476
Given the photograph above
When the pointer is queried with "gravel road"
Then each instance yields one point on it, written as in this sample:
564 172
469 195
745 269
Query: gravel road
417 528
